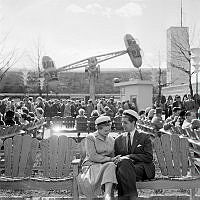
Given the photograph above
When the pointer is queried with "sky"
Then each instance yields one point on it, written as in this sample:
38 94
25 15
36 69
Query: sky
72 30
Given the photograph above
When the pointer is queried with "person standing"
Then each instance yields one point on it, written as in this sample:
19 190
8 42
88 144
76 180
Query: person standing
136 160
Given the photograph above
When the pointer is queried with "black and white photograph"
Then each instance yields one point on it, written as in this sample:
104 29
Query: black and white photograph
99 99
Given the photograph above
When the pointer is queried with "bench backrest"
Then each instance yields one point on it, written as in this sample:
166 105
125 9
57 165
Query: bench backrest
190 133
172 152
57 154
57 121
91 124
69 121
81 124
20 152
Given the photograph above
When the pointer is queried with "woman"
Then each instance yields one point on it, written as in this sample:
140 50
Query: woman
98 168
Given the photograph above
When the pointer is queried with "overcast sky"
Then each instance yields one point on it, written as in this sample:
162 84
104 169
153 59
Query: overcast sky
71 30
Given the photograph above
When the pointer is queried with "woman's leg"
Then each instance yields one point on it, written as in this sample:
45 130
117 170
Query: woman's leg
108 190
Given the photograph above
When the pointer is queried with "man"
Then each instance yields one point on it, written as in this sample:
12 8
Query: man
157 121
177 102
172 120
136 161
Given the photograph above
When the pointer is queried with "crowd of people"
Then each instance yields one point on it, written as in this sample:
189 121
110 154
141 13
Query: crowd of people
109 162
20 113
174 112
27 110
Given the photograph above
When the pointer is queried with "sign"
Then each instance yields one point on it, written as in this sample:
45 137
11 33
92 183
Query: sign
133 50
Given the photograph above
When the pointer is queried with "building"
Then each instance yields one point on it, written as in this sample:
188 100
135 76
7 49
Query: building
178 49
138 92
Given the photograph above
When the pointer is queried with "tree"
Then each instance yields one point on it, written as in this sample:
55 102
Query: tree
8 57
35 59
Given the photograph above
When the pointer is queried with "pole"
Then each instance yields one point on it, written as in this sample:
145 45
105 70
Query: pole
197 83
196 99
47 90
92 87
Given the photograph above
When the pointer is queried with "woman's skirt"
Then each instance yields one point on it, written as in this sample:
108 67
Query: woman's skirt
92 178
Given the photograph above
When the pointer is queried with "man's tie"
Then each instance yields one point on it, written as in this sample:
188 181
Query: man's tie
129 143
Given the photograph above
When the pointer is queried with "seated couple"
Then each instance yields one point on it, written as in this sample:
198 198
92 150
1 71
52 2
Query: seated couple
120 162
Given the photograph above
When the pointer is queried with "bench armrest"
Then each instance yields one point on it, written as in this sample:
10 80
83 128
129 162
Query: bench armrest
76 162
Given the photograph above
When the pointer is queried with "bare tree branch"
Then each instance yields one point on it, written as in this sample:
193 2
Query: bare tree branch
180 68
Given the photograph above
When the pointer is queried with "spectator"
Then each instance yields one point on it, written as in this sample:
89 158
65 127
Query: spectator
151 114
55 108
73 109
189 116
95 113
181 118
67 111
89 108
168 107
81 113
9 118
119 112
108 112
23 119
147 111
142 115
177 102
189 103
157 120
3 106
39 114
2 123
17 118
195 124
62 107
170 121
100 107
39 103
47 109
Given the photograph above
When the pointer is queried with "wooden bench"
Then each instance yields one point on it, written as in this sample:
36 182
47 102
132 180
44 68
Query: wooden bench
50 158
194 142
56 153
176 166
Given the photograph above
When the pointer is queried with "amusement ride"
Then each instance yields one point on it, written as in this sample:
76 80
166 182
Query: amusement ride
91 64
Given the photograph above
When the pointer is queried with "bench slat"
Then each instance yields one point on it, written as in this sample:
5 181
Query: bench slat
63 145
53 154
160 155
175 143
44 147
68 156
25 150
184 149
166 145
32 156
8 162
17 143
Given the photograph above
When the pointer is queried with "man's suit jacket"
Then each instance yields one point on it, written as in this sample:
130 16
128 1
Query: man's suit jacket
141 151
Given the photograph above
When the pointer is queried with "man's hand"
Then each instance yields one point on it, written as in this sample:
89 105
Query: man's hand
120 158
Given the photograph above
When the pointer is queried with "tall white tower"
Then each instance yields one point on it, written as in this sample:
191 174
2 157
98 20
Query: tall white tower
178 49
